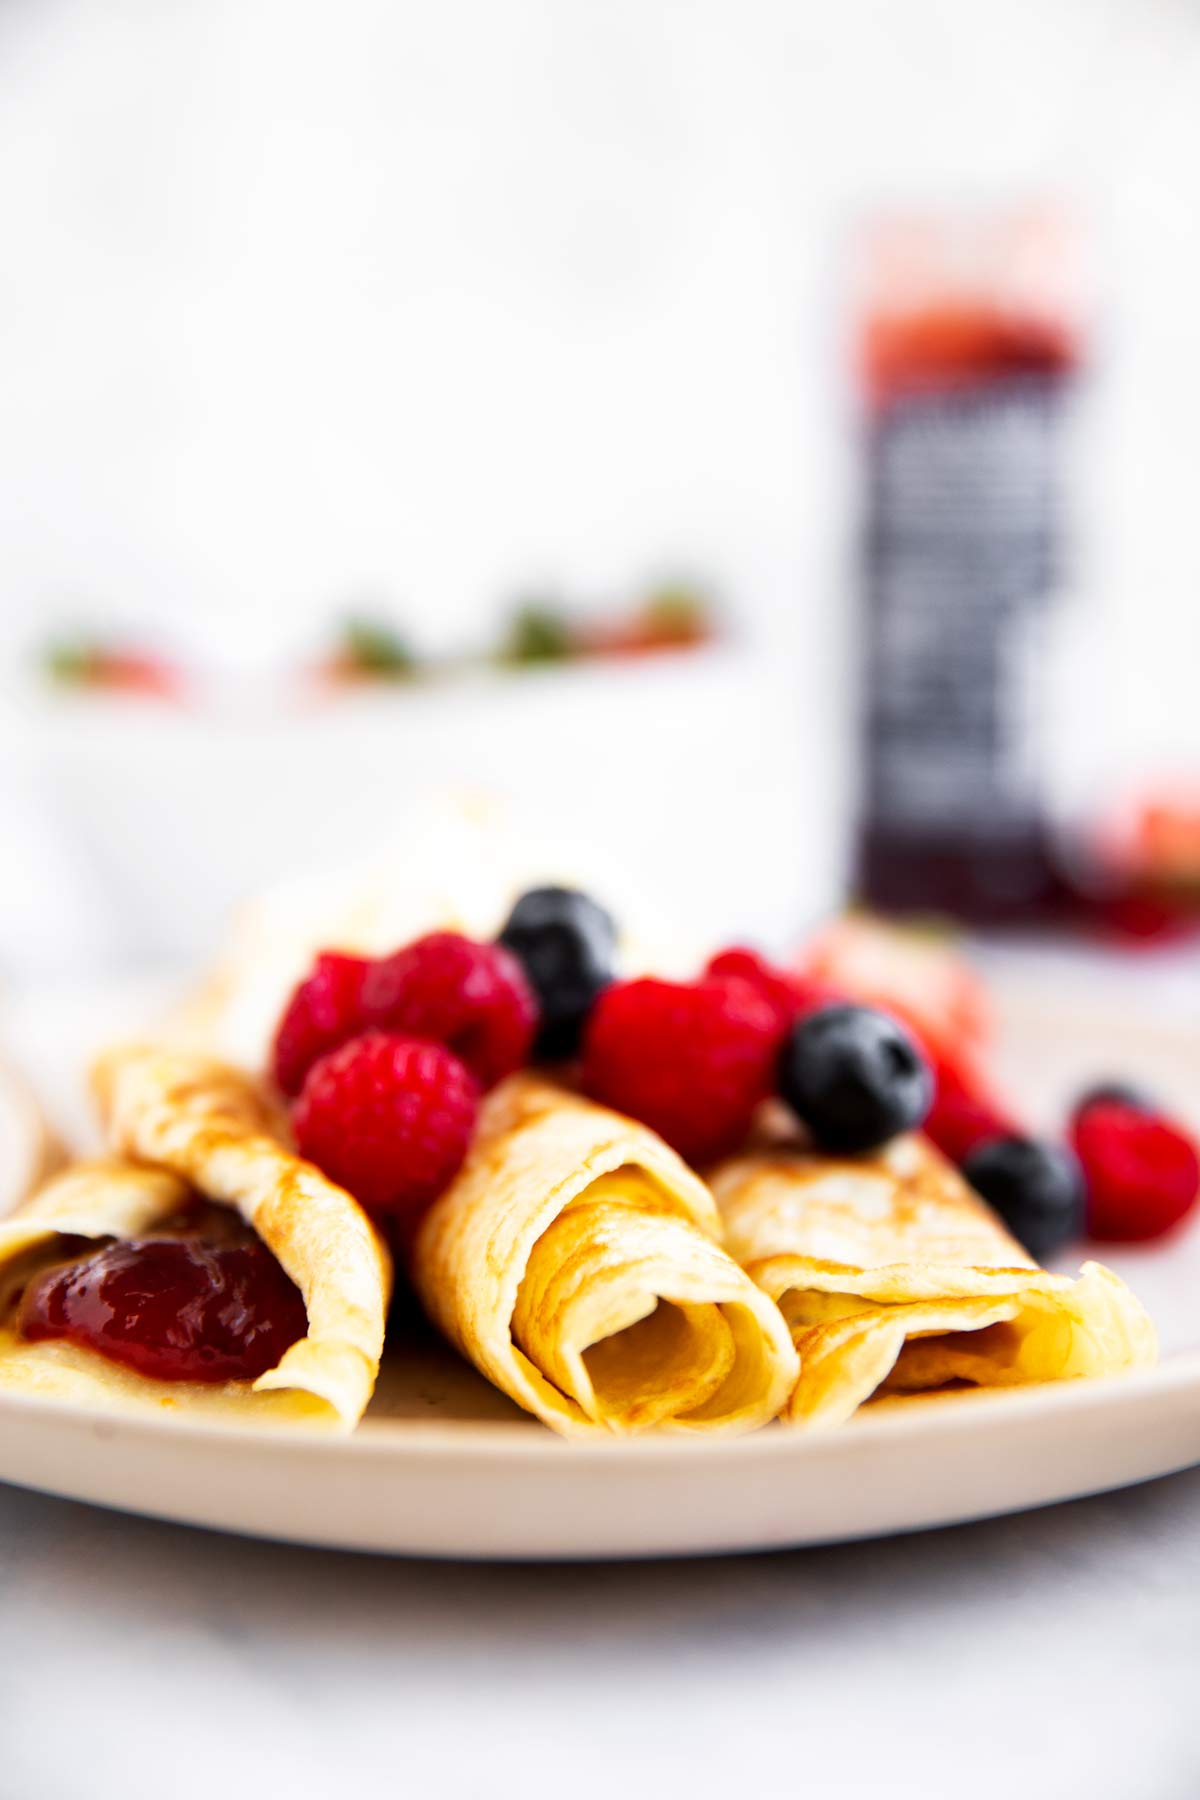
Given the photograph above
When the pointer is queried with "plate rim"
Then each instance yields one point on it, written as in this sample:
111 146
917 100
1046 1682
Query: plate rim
933 1417
410 1485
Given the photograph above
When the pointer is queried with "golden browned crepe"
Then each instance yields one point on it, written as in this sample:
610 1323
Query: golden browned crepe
895 1278
575 1261
202 1128
99 1200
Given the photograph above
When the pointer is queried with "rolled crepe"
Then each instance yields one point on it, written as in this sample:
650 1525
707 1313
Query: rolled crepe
92 1200
575 1262
206 1129
896 1278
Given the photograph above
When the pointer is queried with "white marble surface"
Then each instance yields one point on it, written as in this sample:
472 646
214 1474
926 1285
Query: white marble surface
1052 1654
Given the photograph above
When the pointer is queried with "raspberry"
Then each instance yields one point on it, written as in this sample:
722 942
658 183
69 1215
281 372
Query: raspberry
1142 1171
474 998
389 1119
790 994
325 1009
964 1114
690 1060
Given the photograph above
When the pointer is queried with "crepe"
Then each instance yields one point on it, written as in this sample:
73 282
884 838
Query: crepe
575 1261
895 1278
205 1129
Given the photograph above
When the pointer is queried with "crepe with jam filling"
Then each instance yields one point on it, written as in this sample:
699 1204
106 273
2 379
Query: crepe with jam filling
575 1260
120 1285
895 1278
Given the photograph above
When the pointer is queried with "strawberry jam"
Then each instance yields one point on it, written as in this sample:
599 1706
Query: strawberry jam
175 1308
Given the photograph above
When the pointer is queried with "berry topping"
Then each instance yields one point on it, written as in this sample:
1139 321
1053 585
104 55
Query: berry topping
791 994
1036 1188
854 1077
566 945
1141 1171
176 1309
690 1060
1112 1093
389 1118
324 1010
964 1113
474 998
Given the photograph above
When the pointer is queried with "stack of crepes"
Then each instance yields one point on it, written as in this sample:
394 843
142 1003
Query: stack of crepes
896 1279
180 1127
576 1261
580 1265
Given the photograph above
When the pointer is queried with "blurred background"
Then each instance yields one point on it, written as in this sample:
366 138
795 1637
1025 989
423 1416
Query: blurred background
751 441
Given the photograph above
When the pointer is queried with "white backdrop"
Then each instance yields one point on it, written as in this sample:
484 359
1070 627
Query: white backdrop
302 295
435 300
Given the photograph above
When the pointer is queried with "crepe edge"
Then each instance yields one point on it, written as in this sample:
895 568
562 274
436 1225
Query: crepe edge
219 1130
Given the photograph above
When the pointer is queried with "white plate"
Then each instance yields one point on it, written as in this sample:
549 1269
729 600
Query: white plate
445 1466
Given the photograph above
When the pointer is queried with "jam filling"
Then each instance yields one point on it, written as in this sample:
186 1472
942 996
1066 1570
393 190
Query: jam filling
174 1308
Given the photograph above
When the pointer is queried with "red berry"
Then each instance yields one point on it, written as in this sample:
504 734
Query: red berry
790 994
474 998
324 1010
1147 920
690 1060
964 1114
1142 1171
389 1119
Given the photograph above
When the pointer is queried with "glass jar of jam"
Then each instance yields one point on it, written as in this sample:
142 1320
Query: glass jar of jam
968 354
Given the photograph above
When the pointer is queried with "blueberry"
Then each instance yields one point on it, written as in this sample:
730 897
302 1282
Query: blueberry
854 1076
566 944
1113 1093
1037 1189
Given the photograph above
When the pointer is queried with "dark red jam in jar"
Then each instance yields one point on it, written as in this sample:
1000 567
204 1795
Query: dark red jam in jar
972 352
175 1308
